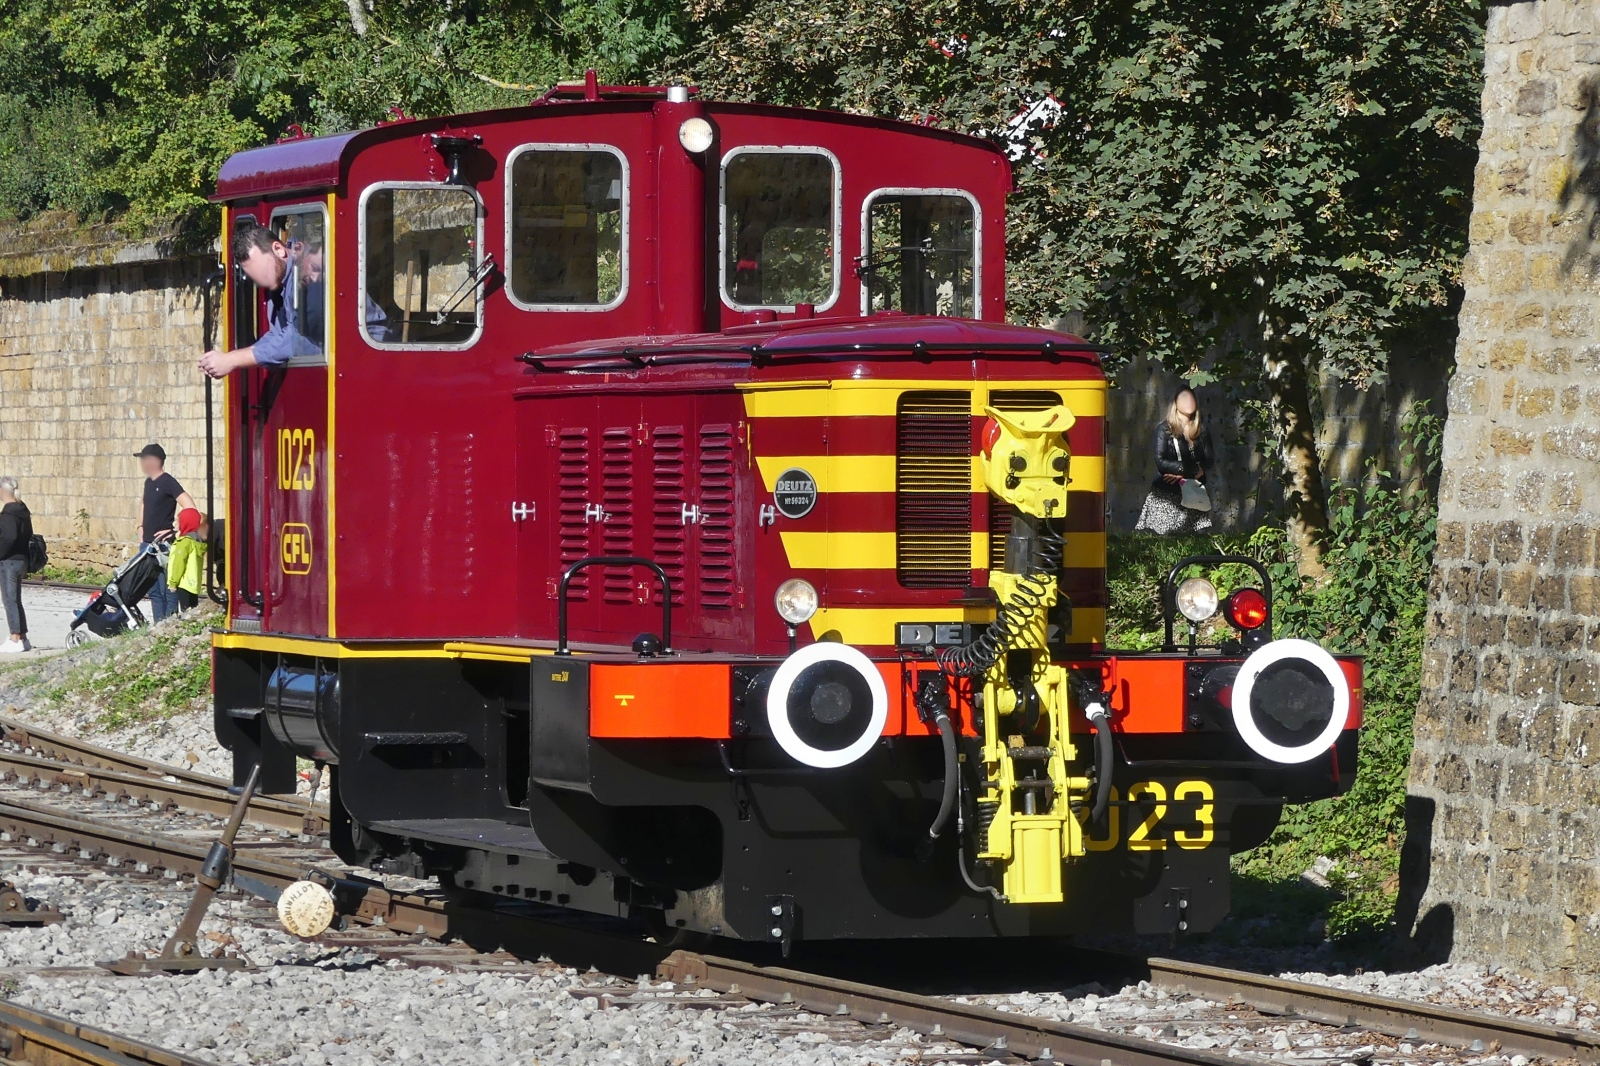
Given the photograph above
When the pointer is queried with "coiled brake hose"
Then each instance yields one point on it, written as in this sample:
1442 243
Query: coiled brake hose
1014 617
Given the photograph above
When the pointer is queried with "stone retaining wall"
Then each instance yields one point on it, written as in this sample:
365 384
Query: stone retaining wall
1503 850
98 343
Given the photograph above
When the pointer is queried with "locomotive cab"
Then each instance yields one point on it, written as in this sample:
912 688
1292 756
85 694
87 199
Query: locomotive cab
659 518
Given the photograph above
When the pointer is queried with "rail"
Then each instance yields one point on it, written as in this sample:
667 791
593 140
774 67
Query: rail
91 839
34 1037
74 763
213 281
977 1026
1041 1038
1420 1022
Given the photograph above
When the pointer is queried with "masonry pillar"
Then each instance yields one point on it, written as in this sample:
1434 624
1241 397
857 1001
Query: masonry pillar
1505 776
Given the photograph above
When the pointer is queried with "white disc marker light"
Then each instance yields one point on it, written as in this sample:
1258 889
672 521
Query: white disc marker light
778 704
1244 686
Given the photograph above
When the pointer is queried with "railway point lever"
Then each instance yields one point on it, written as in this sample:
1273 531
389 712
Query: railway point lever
181 954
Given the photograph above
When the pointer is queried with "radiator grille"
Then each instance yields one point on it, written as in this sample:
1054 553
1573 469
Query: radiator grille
572 462
933 490
668 536
1000 513
716 528
616 500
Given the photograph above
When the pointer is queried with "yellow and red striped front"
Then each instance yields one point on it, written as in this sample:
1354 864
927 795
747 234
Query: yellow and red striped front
844 434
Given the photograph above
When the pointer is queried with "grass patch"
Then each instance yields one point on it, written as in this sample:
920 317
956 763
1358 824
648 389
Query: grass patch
73 574
146 675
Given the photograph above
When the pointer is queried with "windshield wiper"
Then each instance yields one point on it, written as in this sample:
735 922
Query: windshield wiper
469 287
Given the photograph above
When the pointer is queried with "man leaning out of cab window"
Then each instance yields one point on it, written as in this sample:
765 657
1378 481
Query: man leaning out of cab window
269 263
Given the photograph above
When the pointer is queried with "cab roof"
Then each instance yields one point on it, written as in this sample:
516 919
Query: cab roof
306 163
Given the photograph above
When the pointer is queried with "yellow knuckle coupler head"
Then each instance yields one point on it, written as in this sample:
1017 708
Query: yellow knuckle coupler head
1026 458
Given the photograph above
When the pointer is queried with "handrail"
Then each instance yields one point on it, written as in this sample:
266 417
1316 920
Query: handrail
1169 605
208 330
613 560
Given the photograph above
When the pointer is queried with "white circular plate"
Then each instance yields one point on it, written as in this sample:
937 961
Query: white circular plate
1244 684
306 909
778 704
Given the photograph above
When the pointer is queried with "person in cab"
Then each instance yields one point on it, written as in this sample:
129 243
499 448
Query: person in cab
269 262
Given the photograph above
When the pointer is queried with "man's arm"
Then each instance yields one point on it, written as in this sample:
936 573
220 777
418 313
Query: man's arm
272 348
186 500
221 364
8 536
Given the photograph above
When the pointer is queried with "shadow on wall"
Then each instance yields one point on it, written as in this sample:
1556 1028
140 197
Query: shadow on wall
1356 425
1582 189
1430 940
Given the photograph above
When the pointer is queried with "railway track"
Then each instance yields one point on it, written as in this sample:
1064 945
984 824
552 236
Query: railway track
47 759
1349 1027
33 1037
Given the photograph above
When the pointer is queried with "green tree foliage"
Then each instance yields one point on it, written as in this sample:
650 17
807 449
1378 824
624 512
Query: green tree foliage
130 106
1246 192
1254 194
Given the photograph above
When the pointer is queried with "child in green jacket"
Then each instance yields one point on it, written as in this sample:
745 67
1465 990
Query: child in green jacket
186 566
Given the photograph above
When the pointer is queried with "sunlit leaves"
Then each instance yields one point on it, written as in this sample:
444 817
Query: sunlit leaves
159 92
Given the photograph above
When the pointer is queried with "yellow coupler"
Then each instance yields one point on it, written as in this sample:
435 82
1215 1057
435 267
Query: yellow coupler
1025 466
1031 847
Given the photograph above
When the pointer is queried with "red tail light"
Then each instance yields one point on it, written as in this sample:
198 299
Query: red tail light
1246 609
989 436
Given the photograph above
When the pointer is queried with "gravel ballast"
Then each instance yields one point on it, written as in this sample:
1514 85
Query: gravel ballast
314 1003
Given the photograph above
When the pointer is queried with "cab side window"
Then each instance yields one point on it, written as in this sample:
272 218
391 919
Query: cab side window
921 254
566 219
422 265
303 231
779 238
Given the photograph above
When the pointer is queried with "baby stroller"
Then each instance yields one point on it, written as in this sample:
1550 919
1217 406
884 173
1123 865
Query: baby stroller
115 608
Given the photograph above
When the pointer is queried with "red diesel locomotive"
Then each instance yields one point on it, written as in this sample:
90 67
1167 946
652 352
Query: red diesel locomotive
660 519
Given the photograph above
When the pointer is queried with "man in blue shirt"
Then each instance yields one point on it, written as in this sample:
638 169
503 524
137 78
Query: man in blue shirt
268 262
275 267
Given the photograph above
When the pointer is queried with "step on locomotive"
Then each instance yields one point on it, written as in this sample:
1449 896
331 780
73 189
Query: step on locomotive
660 519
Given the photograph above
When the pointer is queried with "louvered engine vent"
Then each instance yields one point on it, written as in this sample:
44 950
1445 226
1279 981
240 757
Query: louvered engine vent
1000 513
717 526
572 473
933 490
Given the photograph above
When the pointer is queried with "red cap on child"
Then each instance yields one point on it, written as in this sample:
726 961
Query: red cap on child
188 521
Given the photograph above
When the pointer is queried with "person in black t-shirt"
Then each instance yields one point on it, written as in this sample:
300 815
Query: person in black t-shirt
163 498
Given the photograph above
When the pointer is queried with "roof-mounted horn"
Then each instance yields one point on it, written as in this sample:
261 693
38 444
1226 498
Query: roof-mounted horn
452 147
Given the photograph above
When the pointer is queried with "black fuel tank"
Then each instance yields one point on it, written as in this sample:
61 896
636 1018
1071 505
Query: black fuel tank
302 709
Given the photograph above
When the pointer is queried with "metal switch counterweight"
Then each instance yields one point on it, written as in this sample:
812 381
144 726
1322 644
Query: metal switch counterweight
181 954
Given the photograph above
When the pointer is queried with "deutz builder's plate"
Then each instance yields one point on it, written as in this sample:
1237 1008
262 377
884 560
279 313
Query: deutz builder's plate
796 493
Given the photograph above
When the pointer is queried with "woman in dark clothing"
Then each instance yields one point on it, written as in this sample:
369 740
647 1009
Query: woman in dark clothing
16 530
1183 454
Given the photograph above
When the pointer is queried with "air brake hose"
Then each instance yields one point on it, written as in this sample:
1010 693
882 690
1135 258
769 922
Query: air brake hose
1013 618
952 770
1104 752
